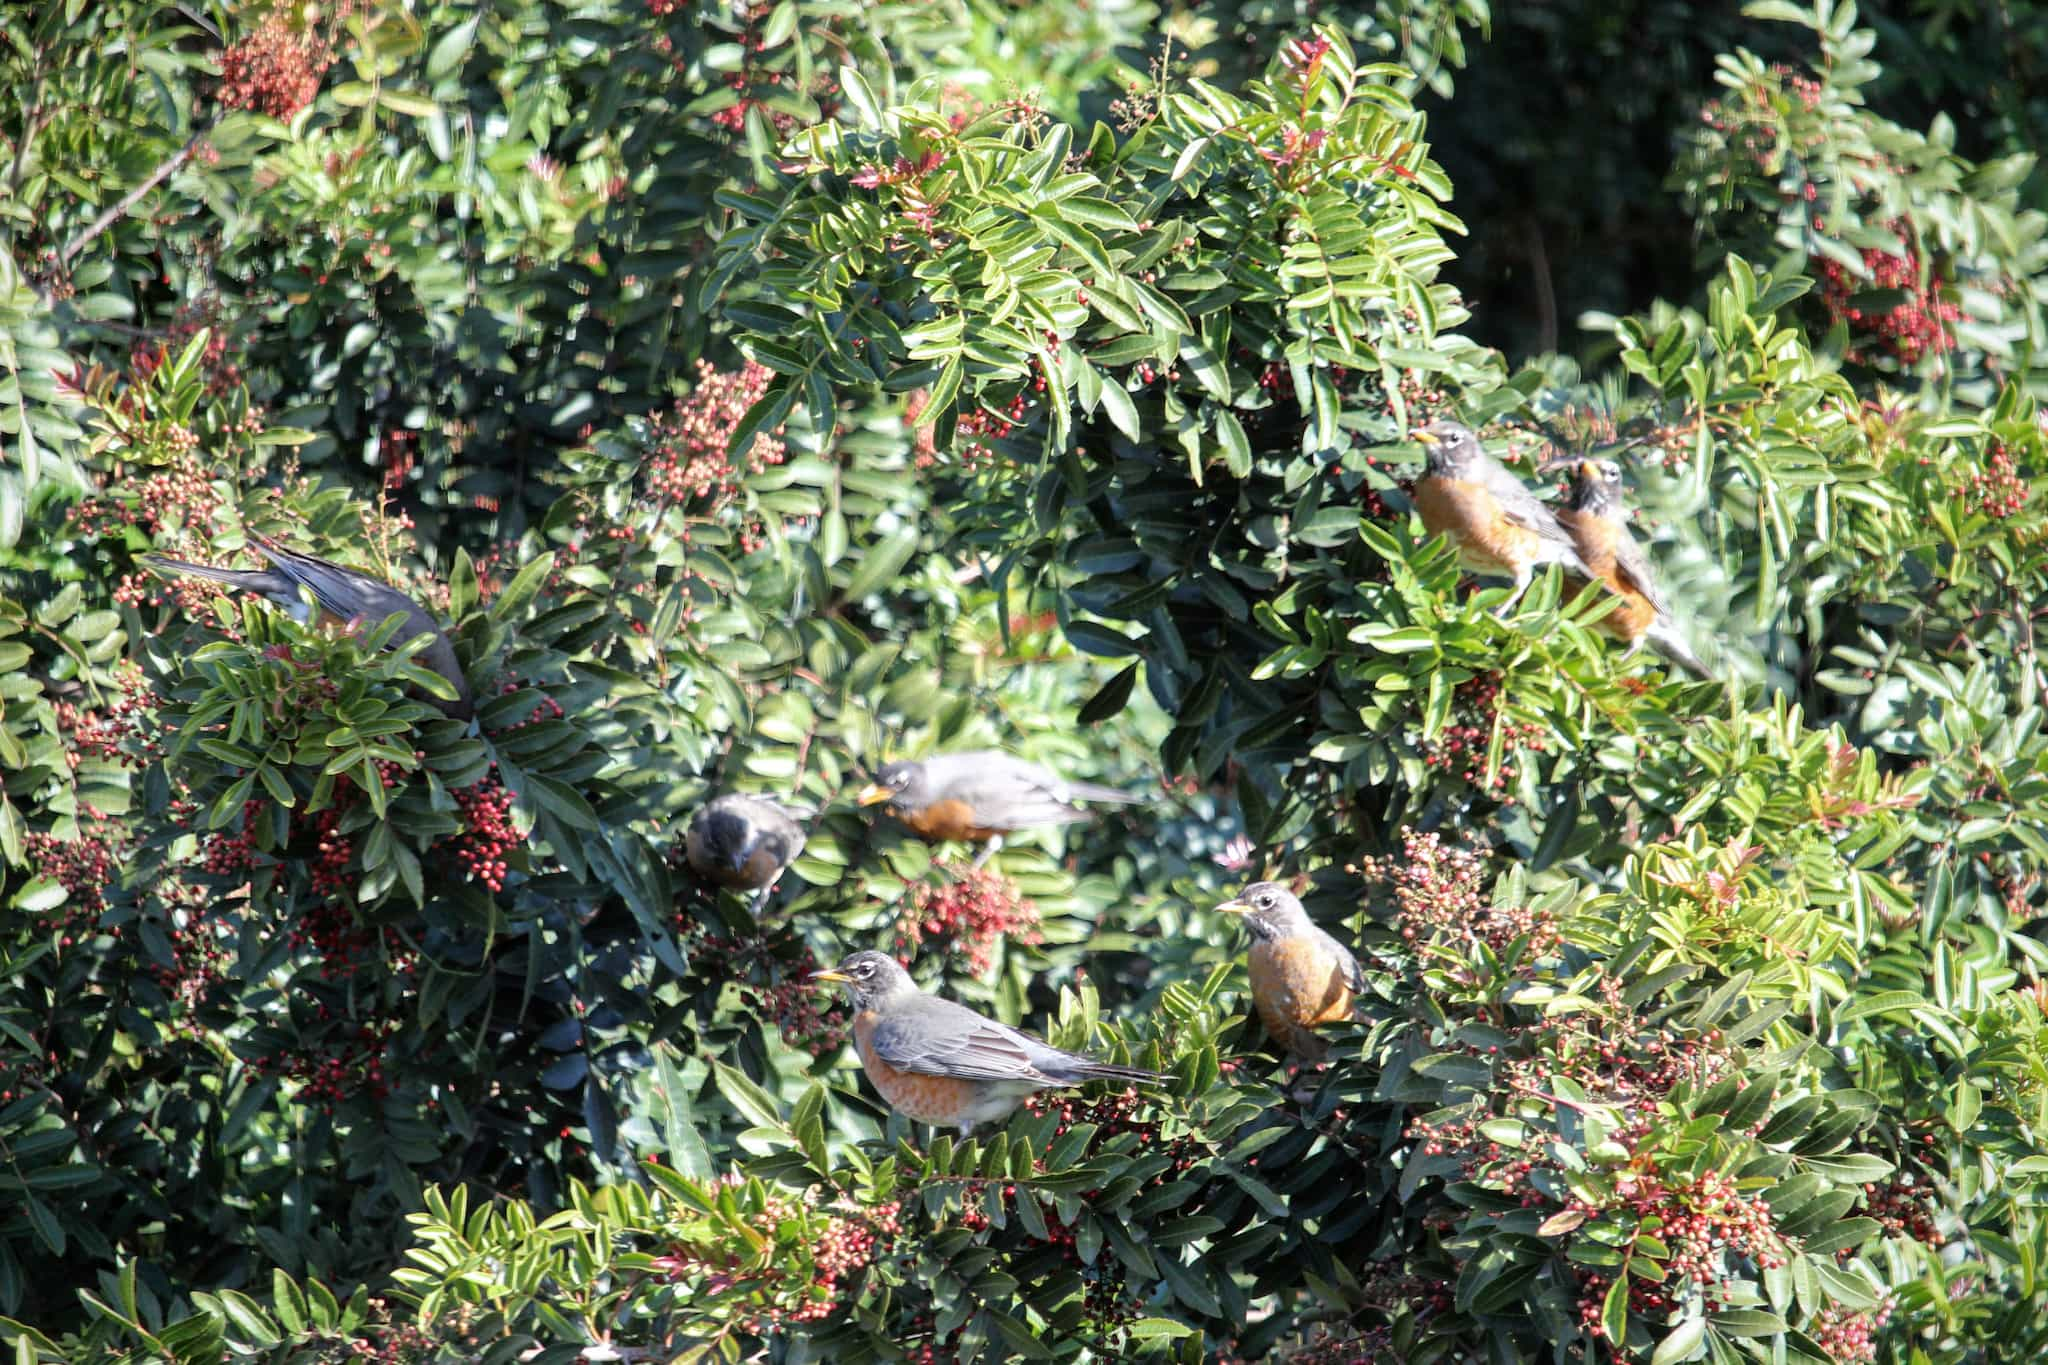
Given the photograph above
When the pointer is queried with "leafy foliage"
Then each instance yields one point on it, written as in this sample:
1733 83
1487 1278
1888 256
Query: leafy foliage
758 394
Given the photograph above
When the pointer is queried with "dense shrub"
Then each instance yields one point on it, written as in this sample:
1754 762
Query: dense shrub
758 394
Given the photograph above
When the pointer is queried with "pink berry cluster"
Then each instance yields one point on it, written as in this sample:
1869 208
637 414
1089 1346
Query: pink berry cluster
85 865
687 461
1439 901
1997 490
277 69
967 917
334 1072
803 1279
1849 1338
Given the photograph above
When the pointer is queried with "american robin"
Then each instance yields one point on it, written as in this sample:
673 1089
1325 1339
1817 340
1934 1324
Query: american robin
742 842
341 595
1301 977
979 797
1598 525
1496 524
941 1063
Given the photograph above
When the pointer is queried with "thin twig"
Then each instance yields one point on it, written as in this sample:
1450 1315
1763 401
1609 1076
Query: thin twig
128 201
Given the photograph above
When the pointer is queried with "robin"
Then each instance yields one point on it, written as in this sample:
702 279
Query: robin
742 842
1598 524
979 797
1301 977
940 1063
341 595
1496 524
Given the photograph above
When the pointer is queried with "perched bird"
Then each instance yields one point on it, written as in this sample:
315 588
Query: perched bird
979 797
341 596
1598 524
941 1063
742 842
1496 524
1301 977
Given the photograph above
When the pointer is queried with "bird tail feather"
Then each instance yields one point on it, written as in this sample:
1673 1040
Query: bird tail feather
1668 643
234 578
1088 791
1109 1071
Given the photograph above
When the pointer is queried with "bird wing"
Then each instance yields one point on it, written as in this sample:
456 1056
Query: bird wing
346 593
266 583
1522 507
936 1037
1631 563
1353 976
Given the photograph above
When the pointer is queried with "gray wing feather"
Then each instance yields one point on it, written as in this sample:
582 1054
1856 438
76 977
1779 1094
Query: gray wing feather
940 1038
1025 793
1353 976
1524 508
1635 566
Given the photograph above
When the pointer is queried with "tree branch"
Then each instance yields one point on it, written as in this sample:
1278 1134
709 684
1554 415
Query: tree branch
127 201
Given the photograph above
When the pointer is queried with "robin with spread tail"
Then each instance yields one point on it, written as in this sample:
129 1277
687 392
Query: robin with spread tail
742 842
936 1062
1598 524
339 595
1495 523
979 797
1301 977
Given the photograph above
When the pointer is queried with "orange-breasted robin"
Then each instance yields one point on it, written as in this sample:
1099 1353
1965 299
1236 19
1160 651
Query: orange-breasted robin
305 584
1487 514
1598 523
1301 977
742 842
979 797
940 1063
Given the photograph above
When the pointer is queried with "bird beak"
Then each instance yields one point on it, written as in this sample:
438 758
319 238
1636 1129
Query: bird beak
1233 908
1587 471
831 974
737 859
1424 435
873 794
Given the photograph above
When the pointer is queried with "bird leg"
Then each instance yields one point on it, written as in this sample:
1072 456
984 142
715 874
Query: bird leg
988 850
1523 576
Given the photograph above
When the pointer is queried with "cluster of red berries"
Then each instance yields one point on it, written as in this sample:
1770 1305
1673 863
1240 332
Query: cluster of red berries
976 429
687 461
968 916
1997 490
343 943
1438 900
199 954
1461 747
85 866
117 735
1910 330
169 498
772 970
277 69
345 1069
1849 1338
1901 1209
488 833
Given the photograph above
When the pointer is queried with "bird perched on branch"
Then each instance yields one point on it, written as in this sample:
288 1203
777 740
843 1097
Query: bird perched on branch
979 797
937 1062
742 842
308 588
1301 976
1598 524
1496 524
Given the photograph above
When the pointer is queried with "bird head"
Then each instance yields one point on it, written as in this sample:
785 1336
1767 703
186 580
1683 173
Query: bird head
1596 487
727 837
1451 447
869 977
900 783
1269 910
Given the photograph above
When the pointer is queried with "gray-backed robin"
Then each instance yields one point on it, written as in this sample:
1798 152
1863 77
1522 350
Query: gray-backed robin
940 1063
742 842
980 796
1598 524
1301 977
1494 522
339 595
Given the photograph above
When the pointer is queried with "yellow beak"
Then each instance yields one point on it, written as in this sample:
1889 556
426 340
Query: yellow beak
829 974
1233 908
873 794
1427 438
1589 471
